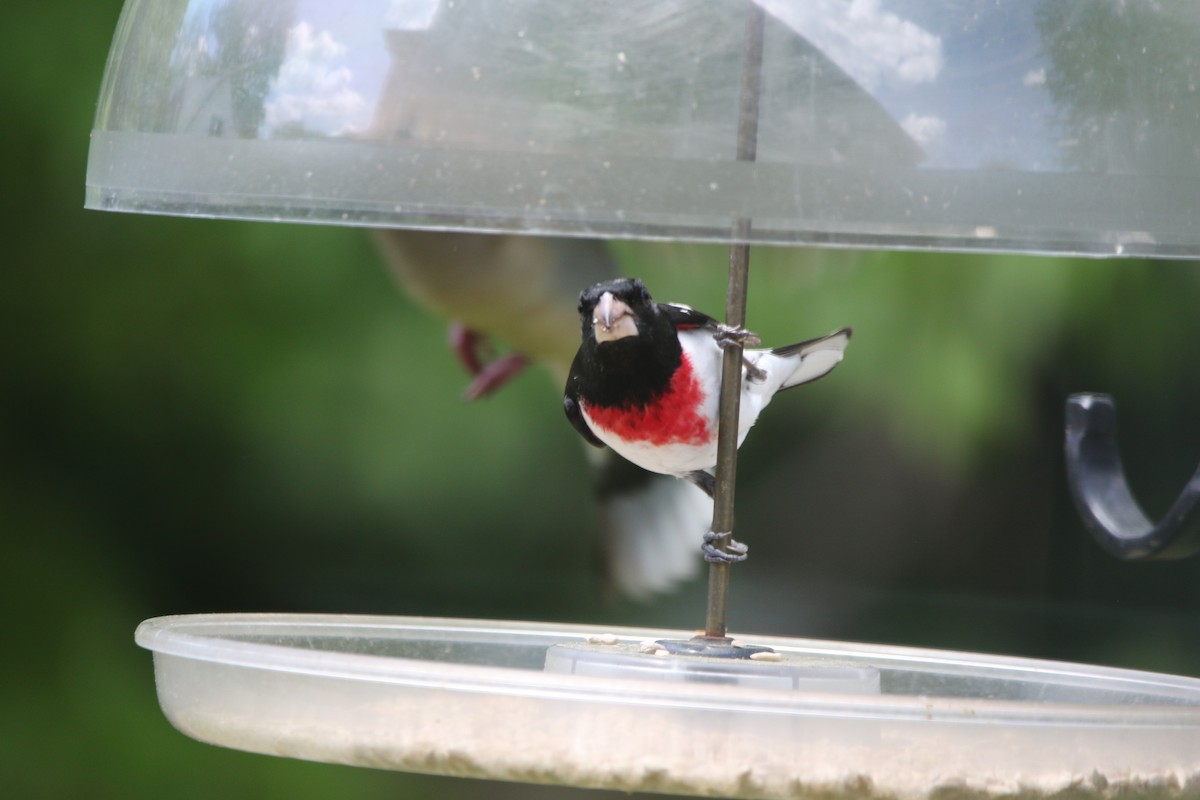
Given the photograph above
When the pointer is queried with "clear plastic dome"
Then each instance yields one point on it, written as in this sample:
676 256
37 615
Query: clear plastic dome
1071 126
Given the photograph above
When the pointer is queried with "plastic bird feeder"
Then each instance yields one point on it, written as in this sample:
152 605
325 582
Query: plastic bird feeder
969 126
471 698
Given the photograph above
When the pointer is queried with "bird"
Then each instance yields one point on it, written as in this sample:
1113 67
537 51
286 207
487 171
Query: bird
645 382
521 291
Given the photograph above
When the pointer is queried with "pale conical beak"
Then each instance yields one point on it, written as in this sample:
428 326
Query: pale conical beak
612 320
605 310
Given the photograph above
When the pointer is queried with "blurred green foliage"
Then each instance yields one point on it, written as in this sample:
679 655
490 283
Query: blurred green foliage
205 416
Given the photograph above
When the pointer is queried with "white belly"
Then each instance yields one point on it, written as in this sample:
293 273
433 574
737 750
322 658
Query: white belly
674 458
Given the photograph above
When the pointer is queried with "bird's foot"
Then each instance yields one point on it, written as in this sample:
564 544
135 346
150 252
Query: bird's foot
729 335
489 372
753 373
733 551
495 374
471 348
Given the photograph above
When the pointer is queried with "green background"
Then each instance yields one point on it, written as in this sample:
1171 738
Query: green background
216 416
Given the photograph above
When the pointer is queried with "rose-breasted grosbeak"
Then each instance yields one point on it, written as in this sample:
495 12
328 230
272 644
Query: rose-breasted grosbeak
647 377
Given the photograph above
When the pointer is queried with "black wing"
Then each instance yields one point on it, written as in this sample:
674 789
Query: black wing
684 318
572 409
571 406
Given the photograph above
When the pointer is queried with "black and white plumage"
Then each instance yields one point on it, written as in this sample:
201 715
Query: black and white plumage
646 379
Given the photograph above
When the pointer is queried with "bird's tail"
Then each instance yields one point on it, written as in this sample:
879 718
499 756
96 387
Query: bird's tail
814 358
653 528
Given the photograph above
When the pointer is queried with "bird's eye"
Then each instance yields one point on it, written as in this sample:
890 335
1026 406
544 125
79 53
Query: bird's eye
645 295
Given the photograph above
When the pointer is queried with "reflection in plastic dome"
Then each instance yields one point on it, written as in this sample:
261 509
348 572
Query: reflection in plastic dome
1059 126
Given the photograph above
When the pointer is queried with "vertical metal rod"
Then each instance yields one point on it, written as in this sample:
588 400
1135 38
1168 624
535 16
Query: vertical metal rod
735 315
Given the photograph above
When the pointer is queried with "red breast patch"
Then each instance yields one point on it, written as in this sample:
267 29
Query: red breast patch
671 418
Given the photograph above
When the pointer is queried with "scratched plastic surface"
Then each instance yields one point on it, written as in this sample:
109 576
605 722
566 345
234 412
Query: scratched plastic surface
471 698
1067 126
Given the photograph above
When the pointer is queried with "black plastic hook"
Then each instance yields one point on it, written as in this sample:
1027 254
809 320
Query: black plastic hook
1109 510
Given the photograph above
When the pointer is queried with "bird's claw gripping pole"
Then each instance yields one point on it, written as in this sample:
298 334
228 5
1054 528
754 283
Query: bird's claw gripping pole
728 335
721 539
722 547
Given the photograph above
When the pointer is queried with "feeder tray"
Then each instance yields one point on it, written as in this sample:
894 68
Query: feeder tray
577 705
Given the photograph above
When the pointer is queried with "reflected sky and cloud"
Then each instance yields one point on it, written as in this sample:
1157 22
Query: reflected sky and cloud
335 65
966 86
966 83
875 46
316 86
972 85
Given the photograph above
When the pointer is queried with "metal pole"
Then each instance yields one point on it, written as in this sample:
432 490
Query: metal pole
735 315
